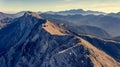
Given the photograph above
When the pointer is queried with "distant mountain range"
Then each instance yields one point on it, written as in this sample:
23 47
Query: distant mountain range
101 21
79 17
116 38
33 41
67 12
117 15
76 11
5 15
83 29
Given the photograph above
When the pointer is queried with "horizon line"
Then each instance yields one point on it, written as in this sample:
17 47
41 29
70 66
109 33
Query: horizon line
56 11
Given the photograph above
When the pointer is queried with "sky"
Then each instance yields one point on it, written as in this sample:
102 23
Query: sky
12 6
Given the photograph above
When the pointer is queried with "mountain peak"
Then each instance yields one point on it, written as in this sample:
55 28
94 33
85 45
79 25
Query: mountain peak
29 13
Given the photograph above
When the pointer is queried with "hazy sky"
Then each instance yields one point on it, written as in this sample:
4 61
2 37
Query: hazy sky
57 5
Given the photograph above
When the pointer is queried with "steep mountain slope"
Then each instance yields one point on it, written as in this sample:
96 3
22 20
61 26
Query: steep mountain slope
19 14
109 46
3 15
32 41
6 18
18 30
54 29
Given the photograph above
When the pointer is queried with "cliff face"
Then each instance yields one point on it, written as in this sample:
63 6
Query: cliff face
32 41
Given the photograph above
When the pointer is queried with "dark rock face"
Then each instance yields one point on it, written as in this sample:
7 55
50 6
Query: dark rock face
4 22
17 31
34 47
74 57
27 44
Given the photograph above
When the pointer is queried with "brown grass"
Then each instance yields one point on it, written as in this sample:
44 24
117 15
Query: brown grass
98 57
54 29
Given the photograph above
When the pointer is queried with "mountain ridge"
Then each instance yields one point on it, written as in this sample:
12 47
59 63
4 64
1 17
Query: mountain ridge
31 45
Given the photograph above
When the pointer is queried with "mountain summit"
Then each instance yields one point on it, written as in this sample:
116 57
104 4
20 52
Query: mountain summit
34 42
29 13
